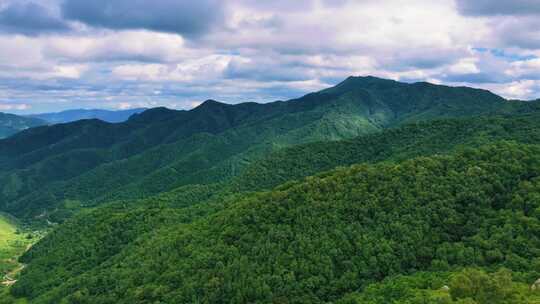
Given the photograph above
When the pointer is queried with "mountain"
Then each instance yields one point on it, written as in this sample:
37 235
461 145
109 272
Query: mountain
79 114
11 124
63 168
320 199
410 140
319 240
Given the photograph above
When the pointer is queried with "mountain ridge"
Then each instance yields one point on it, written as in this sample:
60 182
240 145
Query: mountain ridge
11 124
161 149
310 200
112 116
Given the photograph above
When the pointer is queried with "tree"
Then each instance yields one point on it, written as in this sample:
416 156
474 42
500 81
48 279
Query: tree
484 288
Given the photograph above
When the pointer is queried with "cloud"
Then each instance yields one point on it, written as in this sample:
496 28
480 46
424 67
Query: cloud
185 17
31 19
190 70
514 32
510 23
522 89
498 7
11 106
526 69
125 53
265 70
141 46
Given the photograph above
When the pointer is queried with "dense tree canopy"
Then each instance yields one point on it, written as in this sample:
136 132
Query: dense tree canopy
268 204
61 168
313 241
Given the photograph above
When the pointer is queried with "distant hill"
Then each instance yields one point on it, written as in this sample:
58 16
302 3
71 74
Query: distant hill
74 115
11 124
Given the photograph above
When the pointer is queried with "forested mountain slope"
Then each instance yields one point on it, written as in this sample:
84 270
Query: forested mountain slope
410 140
313 241
97 230
67 166
11 124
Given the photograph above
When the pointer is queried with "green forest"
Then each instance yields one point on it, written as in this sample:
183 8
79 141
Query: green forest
370 192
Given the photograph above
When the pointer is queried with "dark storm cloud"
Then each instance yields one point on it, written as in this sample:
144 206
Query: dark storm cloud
498 7
185 17
30 19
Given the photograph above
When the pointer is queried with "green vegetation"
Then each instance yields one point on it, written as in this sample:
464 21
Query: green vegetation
313 241
468 286
419 139
13 243
92 162
349 195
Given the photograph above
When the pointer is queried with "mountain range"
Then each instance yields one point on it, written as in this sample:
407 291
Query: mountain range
11 124
88 162
79 114
372 191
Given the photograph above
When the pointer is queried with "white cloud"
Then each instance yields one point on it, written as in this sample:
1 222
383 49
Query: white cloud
524 89
187 70
11 106
465 66
275 50
124 45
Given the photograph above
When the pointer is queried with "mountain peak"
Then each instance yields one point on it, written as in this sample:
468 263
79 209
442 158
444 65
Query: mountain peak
367 81
210 104
363 82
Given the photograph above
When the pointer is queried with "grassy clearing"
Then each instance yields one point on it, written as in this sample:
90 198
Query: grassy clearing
13 242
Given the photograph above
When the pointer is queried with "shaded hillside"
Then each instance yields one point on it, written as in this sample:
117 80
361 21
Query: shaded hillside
80 114
411 140
313 241
11 124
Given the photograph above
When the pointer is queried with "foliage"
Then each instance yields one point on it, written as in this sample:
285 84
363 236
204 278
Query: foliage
475 285
236 204
484 288
313 241
159 150
412 140
14 240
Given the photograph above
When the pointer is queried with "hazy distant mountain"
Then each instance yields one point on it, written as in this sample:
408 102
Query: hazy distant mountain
11 124
78 114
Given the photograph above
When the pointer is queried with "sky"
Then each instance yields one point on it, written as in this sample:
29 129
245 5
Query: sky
121 54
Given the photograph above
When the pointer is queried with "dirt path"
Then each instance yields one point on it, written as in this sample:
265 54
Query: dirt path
8 279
